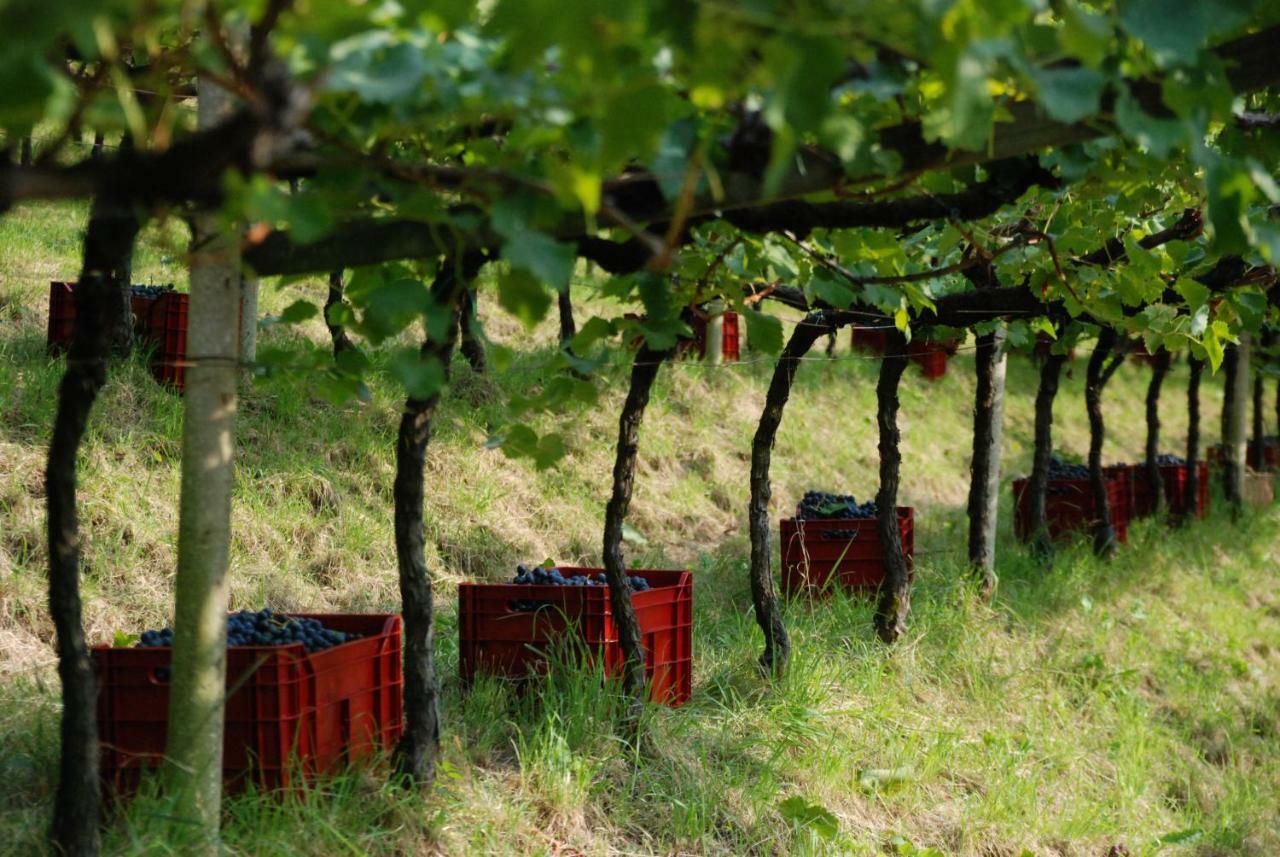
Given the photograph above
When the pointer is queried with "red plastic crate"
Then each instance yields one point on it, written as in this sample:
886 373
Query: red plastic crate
287 711
811 555
498 635
1175 478
62 316
1069 507
873 339
168 331
731 347
730 350
1270 458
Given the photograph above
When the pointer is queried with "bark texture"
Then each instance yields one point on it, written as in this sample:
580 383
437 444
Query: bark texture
419 746
1038 484
1102 362
193 752
1230 477
984 468
893 602
337 333
777 644
1159 369
108 247
643 372
471 344
568 328
1190 501
201 593
1237 427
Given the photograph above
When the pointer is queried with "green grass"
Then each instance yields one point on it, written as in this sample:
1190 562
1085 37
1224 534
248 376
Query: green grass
1101 702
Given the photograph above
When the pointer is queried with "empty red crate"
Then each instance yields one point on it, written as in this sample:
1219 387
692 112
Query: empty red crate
814 550
506 629
1069 507
286 710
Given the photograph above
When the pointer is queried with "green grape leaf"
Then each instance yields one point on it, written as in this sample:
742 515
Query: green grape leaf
420 376
523 296
764 332
801 813
1069 94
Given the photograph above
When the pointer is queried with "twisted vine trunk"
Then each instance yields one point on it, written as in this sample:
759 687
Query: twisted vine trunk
1192 498
568 329
643 372
419 747
108 246
1097 373
777 644
1230 367
1236 438
984 468
1038 484
1154 479
337 333
472 346
894 601
1258 451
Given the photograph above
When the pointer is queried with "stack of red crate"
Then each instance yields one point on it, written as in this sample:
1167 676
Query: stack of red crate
816 550
930 355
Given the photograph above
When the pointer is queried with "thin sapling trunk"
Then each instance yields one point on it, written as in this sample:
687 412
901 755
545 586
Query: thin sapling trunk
643 372
984 468
893 602
1155 481
777 644
112 229
1038 484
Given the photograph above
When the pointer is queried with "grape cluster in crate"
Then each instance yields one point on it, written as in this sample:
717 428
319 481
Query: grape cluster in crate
823 505
265 628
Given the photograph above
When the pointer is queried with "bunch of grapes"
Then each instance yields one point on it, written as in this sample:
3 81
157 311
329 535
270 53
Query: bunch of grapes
820 505
266 628
151 292
554 577
1059 469
1164 459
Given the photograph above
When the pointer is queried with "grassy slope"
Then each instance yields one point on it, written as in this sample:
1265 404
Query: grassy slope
1100 703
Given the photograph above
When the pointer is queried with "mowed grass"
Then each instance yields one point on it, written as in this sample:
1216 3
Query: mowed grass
1101 702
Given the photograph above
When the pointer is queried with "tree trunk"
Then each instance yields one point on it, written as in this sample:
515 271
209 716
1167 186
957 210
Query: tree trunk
248 318
1154 479
1038 484
341 342
99 141
419 747
568 329
1258 451
894 601
1237 438
984 468
777 644
643 372
1104 534
471 345
1230 363
107 249
193 764
1191 500
25 155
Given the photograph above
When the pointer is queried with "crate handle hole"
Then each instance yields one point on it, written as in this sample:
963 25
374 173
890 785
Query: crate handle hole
160 675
